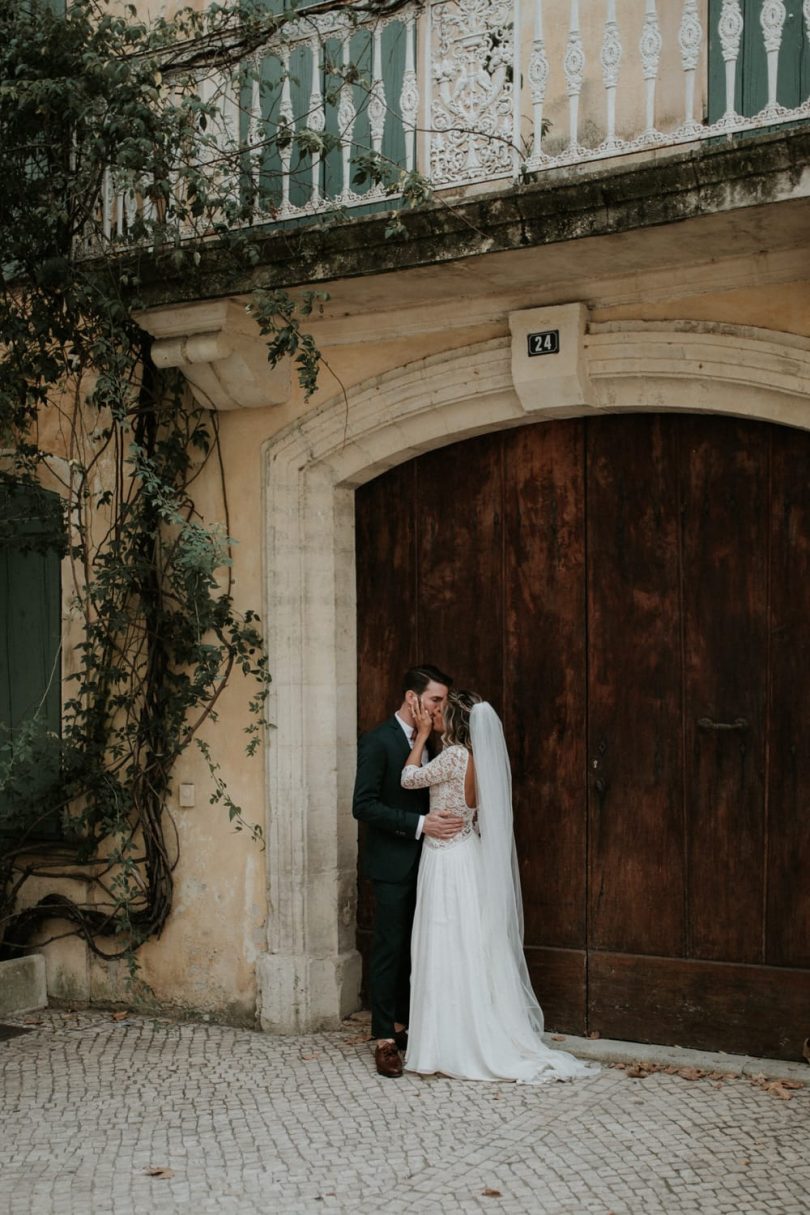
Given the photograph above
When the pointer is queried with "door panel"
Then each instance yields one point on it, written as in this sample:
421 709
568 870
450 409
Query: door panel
787 940
725 546
458 508
559 976
756 1010
544 664
387 614
635 764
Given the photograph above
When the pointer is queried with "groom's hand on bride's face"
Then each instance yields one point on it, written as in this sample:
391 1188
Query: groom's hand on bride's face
441 825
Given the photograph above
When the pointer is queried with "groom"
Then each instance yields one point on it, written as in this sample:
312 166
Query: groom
396 820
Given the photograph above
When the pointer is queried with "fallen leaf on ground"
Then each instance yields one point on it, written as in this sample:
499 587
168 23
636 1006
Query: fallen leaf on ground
488 1193
309 1058
637 1073
160 1171
594 1034
777 1088
744 1163
120 1016
558 1037
691 1073
356 1041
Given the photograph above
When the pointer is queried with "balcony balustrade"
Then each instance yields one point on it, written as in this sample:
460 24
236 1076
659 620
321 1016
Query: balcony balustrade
475 94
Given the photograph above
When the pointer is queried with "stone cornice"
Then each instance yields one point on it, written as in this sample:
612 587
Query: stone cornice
562 205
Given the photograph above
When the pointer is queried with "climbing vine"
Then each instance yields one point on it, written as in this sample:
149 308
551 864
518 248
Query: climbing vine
95 100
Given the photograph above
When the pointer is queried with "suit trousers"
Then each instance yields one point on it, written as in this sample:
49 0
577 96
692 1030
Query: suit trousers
390 970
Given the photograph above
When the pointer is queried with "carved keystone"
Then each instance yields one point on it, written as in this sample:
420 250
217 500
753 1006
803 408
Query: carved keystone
219 349
549 370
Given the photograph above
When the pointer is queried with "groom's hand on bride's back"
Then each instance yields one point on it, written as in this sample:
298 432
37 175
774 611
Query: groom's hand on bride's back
441 825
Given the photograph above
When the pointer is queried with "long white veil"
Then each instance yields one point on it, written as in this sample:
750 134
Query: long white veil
502 905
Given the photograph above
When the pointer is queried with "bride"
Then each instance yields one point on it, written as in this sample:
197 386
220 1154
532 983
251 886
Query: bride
474 1014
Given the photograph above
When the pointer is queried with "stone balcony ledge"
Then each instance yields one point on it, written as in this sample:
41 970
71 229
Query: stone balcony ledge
565 205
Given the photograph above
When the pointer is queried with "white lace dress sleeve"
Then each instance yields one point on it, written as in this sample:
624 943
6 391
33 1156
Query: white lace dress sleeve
443 768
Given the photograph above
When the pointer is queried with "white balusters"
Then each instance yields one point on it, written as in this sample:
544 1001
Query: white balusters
107 203
286 130
690 40
772 18
317 117
255 135
730 28
347 115
409 94
130 207
148 202
611 61
574 68
376 103
650 51
219 141
538 79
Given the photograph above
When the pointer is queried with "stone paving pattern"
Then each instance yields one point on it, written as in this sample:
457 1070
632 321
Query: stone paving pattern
297 1126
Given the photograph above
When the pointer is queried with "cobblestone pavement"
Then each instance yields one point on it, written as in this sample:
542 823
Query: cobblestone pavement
243 1123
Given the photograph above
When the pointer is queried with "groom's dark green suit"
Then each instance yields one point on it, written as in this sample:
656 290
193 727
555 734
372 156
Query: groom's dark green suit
391 861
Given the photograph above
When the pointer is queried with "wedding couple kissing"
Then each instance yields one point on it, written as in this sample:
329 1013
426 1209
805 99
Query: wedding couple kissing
448 982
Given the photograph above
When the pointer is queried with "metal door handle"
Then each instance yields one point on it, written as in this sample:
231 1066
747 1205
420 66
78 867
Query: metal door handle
706 723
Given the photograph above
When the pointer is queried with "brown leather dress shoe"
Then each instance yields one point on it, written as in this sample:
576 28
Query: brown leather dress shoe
387 1059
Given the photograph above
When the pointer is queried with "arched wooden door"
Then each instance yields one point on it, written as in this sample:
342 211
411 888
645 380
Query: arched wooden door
632 595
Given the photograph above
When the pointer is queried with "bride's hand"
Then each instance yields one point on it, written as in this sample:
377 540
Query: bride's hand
422 719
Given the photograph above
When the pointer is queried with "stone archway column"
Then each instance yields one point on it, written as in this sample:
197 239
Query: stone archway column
310 975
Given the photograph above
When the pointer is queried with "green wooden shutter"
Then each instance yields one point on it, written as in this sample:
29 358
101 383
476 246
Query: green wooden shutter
30 652
751 82
393 50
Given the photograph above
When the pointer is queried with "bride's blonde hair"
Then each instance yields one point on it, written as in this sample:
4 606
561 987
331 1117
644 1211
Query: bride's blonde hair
457 718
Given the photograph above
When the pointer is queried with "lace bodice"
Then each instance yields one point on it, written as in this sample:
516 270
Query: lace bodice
444 776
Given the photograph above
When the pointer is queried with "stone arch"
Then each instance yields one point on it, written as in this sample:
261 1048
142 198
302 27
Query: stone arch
309 976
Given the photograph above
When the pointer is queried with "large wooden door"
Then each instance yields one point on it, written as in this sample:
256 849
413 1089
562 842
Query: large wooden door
630 593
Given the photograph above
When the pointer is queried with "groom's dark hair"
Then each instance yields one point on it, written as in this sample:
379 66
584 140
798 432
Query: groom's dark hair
417 678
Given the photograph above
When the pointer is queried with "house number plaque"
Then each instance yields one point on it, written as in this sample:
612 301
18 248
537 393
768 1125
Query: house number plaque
547 342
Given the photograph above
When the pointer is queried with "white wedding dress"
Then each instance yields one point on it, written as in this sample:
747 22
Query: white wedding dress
474 1014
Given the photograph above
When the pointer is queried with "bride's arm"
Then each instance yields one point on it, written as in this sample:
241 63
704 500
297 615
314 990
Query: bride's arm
421 776
424 725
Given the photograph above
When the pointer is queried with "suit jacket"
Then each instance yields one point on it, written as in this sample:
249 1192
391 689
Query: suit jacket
391 813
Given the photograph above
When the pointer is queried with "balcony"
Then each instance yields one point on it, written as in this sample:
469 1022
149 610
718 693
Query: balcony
476 94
